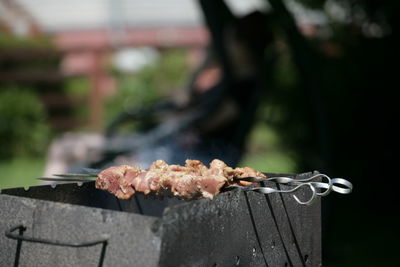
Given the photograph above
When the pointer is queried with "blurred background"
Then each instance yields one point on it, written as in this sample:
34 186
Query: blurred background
281 86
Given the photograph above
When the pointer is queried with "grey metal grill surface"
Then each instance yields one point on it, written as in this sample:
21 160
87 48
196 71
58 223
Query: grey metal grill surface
237 228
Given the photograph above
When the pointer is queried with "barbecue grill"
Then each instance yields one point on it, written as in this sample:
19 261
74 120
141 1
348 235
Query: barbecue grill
77 225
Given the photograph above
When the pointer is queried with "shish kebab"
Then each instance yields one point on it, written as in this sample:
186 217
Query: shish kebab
195 180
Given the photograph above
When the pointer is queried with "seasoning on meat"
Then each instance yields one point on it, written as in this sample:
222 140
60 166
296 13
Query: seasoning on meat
192 181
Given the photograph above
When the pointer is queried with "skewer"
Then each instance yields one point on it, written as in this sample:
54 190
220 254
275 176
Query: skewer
69 179
315 183
75 175
318 189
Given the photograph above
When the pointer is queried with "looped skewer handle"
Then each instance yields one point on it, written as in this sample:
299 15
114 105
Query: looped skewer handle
345 188
269 190
318 188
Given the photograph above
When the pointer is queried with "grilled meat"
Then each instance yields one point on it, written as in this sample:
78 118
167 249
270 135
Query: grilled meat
192 181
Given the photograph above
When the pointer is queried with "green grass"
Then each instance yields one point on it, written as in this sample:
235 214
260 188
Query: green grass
20 172
274 162
265 152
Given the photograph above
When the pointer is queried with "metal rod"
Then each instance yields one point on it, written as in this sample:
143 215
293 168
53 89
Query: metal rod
19 245
19 237
9 233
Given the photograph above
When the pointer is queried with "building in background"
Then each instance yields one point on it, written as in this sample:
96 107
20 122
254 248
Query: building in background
128 33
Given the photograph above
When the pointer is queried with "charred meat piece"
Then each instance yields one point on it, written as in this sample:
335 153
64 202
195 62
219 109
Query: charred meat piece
192 181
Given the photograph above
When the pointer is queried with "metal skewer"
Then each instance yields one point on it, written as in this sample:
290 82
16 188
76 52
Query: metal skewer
73 177
318 188
313 183
64 179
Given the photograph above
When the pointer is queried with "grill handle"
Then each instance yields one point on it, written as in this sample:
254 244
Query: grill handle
20 237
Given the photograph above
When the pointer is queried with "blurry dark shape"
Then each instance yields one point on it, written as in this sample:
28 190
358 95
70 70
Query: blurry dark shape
224 93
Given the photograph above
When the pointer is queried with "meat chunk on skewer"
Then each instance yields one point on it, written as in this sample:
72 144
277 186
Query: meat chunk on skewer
192 181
